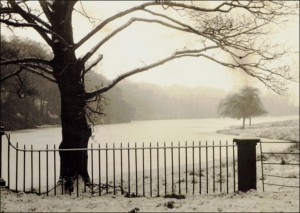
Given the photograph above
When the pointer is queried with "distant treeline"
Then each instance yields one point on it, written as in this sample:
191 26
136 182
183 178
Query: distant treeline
37 103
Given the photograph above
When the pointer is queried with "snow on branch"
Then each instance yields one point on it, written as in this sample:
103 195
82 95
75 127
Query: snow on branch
24 60
33 65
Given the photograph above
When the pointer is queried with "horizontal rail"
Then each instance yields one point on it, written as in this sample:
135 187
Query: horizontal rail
277 176
279 142
281 153
118 148
272 184
283 164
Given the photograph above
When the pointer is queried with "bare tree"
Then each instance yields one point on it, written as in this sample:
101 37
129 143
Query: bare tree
238 29
244 104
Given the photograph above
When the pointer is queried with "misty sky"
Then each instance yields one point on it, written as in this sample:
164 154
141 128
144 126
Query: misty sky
143 43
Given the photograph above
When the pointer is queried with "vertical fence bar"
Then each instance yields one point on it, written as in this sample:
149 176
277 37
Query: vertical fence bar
54 172
206 150
128 170
262 168
17 163
200 169
165 162
99 169
143 169
186 169
31 153
106 171
136 172
227 166
62 185
150 170
221 178
8 162
193 154
179 185
114 165
54 153
47 171
157 162
24 169
121 150
233 161
92 167
172 162
39 172
77 185
214 184
1 133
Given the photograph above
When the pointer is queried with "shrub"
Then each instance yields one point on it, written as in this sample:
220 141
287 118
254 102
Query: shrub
173 195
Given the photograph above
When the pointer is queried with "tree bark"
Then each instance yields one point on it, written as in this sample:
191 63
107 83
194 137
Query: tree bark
244 122
250 121
75 132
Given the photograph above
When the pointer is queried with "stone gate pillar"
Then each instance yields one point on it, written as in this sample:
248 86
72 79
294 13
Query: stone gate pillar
246 149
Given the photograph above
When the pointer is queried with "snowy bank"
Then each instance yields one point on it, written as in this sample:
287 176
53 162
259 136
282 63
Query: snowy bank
280 130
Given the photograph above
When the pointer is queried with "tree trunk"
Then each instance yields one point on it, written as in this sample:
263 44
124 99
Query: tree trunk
75 134
250 121
67 70
244 122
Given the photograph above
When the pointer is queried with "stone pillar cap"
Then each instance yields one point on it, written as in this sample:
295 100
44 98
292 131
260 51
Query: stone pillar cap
246 137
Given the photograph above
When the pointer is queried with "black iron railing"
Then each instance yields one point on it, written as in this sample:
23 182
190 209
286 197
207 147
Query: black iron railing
131 170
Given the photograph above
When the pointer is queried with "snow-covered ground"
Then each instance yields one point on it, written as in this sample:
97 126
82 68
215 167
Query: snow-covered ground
252 201
280 130
274 199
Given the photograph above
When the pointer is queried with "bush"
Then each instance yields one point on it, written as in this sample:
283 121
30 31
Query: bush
174 196
170 204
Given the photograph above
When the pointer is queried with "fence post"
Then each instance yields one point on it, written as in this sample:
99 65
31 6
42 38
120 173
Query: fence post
2 181
246 148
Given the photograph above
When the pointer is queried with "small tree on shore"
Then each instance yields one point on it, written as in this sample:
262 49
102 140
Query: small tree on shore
244 104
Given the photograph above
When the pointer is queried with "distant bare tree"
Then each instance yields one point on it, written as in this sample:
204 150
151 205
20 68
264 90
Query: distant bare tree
238 29
244 104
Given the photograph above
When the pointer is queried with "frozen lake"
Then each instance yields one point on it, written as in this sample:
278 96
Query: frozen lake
143 131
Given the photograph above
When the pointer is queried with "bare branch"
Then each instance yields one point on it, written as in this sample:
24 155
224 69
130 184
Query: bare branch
29 19
143 6
176 55
24 60
46 10
12 74
93 64
119 29
38 70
